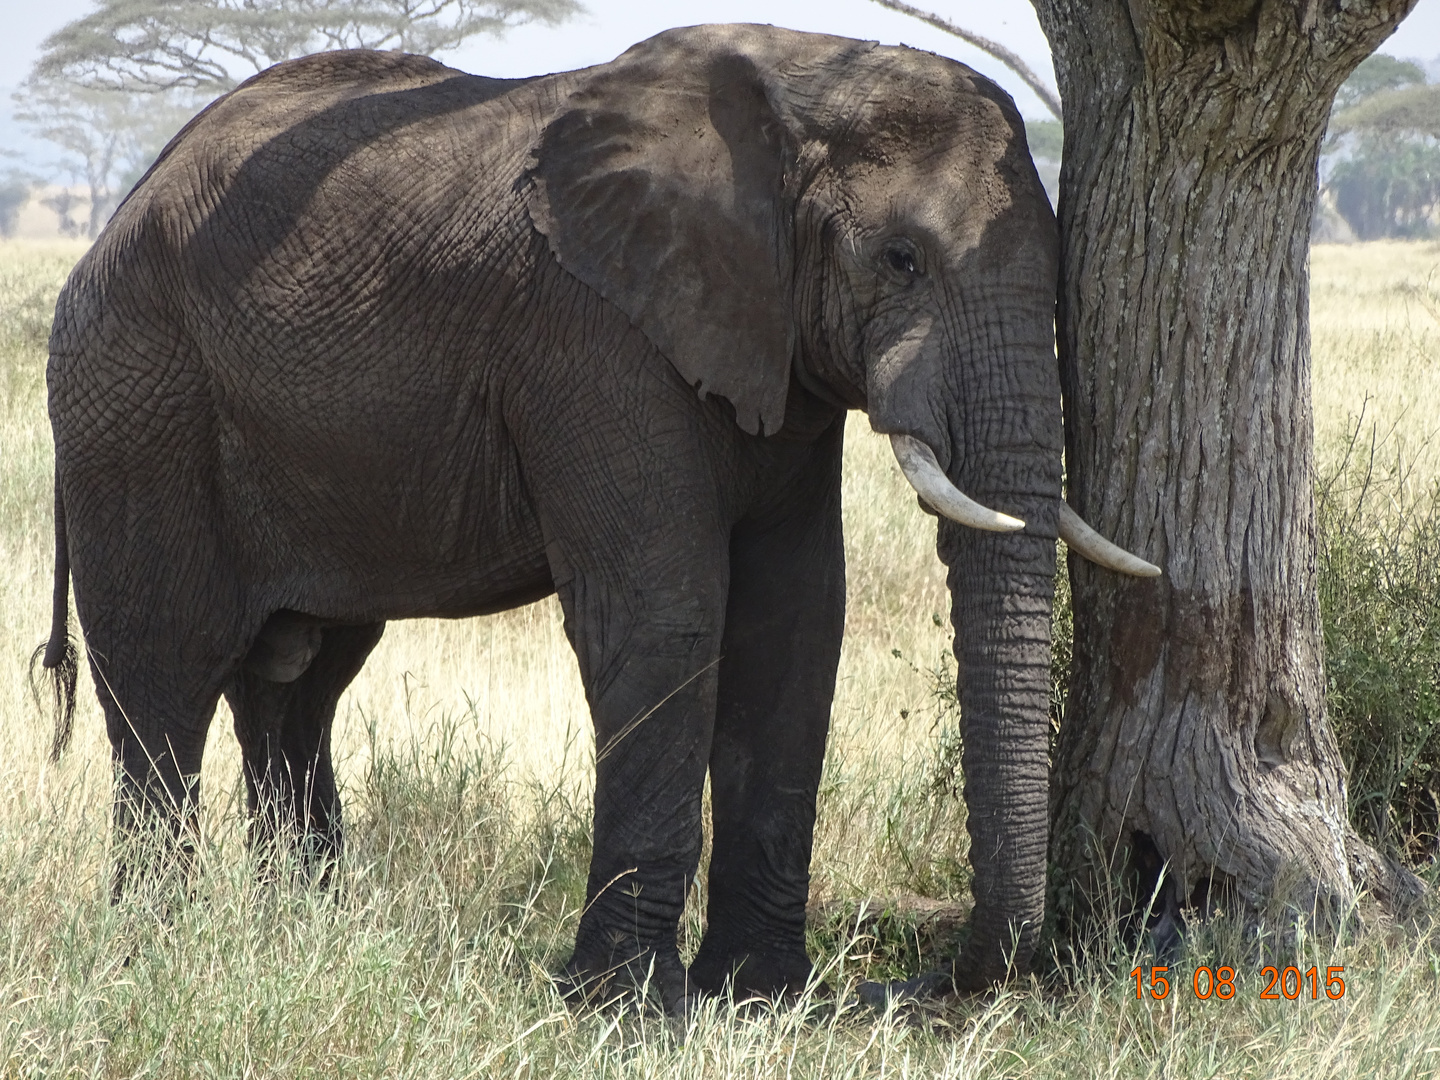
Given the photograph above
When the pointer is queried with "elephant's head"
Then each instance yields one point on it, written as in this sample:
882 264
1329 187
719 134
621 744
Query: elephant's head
774 208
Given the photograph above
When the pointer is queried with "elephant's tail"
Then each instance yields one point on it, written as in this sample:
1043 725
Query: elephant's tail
61 658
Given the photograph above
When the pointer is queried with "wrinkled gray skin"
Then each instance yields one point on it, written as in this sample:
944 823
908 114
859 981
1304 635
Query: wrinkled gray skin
375 339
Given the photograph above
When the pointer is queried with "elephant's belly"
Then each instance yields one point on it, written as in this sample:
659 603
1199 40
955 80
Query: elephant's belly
367 545
498 570
499 586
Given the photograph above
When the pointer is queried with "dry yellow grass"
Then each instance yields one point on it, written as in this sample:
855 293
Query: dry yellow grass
464 752
1375 333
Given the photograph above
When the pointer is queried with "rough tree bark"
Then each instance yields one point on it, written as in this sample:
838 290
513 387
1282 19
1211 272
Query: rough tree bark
1195 732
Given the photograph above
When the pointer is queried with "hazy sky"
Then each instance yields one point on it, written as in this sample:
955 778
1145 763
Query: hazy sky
610 26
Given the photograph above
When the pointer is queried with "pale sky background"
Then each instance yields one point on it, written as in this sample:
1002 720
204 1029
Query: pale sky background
611 26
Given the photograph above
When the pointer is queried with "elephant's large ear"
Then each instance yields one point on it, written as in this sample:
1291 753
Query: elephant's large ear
660 184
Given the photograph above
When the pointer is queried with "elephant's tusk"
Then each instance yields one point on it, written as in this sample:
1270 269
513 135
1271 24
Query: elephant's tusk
1097 549
917 462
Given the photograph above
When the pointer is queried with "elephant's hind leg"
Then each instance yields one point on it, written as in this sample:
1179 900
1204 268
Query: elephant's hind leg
284 731
160 659
157 743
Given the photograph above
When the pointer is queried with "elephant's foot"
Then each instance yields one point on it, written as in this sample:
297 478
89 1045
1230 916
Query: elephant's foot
156 844
285 850
656 977
744 974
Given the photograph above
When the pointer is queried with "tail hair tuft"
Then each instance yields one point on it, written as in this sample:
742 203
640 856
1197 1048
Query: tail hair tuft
60 661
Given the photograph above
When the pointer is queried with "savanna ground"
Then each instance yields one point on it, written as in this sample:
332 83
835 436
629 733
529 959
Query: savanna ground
464 753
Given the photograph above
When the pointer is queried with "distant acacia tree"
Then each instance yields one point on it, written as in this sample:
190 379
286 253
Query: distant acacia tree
1387 181
1391 189
15 188
1375 74
106 137
63 202
210 45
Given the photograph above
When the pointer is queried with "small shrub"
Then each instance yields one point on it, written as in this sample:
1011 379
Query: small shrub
1379 586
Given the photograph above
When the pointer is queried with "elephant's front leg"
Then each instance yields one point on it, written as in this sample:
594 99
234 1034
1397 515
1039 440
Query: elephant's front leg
646 624
783 628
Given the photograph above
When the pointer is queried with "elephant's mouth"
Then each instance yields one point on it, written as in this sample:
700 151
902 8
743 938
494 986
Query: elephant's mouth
917 462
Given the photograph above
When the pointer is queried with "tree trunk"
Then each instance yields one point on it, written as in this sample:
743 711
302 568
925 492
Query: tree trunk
1195 733
99 160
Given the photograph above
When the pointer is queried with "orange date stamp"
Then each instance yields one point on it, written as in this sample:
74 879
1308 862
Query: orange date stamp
1288 983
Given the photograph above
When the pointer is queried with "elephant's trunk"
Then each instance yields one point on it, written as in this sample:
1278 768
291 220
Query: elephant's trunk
1005 448
988 376
1002 589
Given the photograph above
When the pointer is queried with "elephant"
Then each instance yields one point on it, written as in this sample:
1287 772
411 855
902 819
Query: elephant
376 339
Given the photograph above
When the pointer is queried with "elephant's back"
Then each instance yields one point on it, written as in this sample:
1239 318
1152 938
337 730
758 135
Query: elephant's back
271 142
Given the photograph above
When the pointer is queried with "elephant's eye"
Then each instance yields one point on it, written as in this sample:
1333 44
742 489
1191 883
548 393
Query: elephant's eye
901 258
